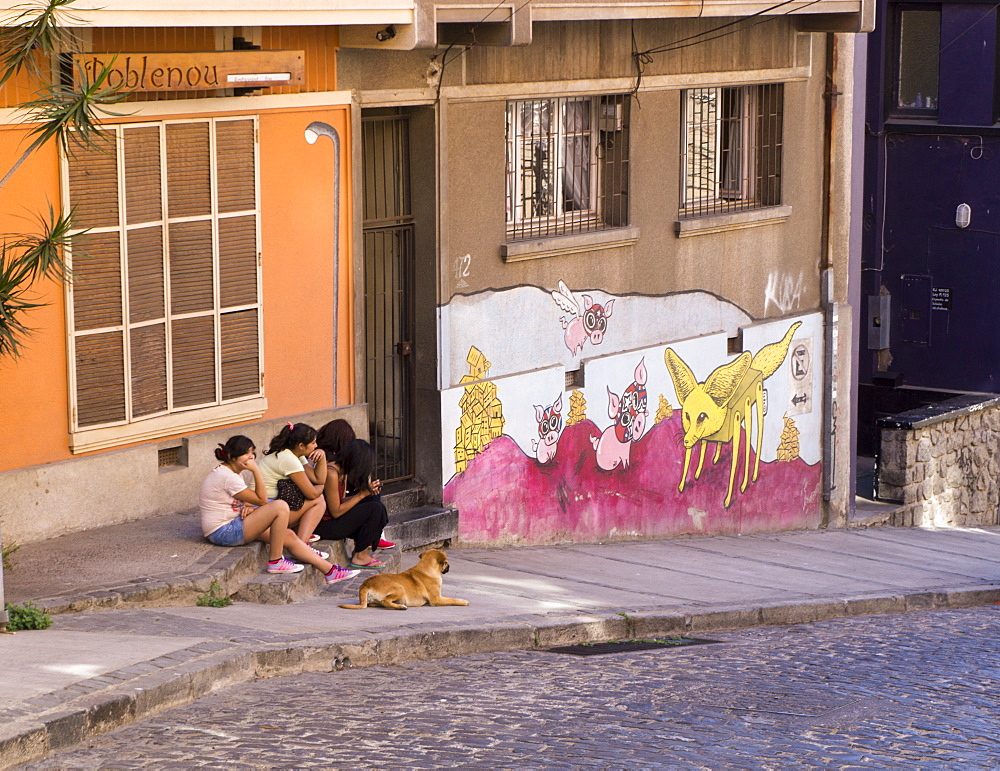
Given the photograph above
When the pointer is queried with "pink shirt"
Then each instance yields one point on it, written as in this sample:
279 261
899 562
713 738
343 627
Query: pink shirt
217 500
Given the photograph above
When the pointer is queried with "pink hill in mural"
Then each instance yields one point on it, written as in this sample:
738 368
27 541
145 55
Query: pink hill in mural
506 496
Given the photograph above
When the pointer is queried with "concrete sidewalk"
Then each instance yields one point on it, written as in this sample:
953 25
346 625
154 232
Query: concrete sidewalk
96 670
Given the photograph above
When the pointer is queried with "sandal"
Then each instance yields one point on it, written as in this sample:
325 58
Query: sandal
375 564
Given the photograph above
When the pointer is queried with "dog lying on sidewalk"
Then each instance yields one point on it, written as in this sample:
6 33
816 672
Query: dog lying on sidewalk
420 585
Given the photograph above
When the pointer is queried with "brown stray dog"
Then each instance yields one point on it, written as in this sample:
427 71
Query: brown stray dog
420 585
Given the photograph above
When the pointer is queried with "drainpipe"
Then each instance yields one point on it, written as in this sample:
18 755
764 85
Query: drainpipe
827 282
314 131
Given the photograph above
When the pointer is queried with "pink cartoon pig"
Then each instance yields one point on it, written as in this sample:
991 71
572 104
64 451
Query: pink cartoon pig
629 413
588 320
549 429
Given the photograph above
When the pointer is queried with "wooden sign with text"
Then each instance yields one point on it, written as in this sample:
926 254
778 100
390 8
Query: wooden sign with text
196 70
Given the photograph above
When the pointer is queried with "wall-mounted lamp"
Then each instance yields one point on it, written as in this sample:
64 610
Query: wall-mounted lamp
385 34
963 215
313 132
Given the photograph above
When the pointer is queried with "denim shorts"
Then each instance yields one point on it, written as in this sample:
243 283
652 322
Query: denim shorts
230 534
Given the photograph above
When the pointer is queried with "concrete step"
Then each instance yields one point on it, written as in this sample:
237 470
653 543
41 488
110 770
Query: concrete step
228 567
422 526
279 589
402 496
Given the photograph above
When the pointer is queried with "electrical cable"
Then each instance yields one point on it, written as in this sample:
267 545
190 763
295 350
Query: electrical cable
670 46
667 48
967 29
444 57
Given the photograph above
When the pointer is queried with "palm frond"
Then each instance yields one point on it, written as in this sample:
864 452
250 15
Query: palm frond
71 114
15 279
43 254
30 33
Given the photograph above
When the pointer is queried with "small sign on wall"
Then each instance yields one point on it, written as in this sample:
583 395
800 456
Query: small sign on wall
800 377
941 298
196 70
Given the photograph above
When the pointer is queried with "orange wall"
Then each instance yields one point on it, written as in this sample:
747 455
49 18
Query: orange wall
297 238
34 409
296 198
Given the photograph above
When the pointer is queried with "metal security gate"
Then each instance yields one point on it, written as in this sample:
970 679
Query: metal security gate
389 319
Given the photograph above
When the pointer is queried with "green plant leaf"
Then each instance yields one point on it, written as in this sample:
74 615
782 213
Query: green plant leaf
30 33
214 597
44 254
23 260
26 616
71 114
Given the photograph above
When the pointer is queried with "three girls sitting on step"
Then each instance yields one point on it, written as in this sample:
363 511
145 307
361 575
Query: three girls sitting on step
324 492
232 514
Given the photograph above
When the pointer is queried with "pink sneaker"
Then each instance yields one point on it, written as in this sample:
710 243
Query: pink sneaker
284 566
339 574
384 544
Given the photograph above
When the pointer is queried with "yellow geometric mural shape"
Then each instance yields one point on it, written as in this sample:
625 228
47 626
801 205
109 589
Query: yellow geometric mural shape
482 413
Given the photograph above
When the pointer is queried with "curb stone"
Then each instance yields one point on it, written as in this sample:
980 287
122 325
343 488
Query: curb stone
230 569
97 705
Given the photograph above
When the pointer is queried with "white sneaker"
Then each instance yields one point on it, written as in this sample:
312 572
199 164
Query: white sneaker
284 566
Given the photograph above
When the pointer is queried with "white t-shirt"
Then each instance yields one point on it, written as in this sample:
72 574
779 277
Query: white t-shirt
217 500
276 467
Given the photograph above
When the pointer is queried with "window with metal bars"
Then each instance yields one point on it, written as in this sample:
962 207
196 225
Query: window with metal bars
731 154
164 304
567 165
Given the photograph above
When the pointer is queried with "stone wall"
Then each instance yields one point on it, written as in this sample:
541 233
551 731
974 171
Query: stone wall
943 463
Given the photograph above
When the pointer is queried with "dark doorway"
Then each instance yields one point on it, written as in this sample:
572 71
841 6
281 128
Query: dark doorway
389 249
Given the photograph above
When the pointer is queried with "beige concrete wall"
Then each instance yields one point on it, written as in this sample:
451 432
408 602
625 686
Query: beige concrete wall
767 270
56 498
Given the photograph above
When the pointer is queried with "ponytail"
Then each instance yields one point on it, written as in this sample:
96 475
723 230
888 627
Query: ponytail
234 447
291 434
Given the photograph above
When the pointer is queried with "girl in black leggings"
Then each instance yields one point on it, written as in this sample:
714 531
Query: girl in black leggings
354 509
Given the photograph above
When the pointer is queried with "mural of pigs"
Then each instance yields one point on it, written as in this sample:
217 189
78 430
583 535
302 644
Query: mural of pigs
629 414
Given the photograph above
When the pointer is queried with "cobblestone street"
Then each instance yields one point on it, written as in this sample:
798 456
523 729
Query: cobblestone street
917 689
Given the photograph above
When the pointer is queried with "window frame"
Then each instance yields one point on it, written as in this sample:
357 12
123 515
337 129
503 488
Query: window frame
174 417
751 110
894 63
561 139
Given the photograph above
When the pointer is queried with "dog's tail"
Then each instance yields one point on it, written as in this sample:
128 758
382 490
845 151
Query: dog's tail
362 600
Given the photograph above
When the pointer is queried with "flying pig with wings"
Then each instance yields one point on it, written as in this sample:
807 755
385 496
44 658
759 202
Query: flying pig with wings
629 412
549 430
588 320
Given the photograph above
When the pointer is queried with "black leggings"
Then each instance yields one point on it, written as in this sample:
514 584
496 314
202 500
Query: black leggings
362 523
